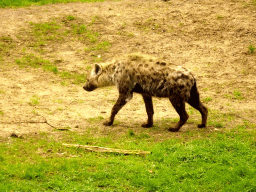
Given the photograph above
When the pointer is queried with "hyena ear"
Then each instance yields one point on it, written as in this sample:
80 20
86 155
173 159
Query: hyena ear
97 69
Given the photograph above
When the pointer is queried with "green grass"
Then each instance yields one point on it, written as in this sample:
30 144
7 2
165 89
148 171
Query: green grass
23 3
34 100
236 95
30 60
62 29
70 17
95 119
220 17
42 33
74 77
196 161
207 99
251 48
45 28
36 62
79 29
65 29
6 44
100 46
6 39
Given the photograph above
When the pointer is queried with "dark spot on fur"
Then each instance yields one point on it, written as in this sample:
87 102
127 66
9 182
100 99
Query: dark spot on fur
161 63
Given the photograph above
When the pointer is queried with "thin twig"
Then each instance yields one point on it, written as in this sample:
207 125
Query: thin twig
30 122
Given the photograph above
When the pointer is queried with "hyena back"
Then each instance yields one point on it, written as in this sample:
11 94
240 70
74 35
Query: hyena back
149 79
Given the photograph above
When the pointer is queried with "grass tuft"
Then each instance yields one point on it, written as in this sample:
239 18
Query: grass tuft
207 99
131 133
70 17
34 100
251 48
220 17
237 94
79 29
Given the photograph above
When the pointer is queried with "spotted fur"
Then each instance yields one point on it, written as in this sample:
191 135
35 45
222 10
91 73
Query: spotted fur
149 78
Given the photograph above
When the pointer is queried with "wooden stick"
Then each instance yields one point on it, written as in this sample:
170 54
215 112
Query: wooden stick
108 150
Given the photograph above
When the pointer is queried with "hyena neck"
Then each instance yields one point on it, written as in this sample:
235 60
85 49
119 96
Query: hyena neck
106 77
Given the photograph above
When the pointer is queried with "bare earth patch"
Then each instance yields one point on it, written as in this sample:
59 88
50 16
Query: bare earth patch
211 38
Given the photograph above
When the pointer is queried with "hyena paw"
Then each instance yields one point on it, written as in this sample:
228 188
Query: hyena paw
147 125
201 125
108 123
173 129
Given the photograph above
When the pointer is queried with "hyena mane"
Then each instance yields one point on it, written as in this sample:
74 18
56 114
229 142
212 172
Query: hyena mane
148 77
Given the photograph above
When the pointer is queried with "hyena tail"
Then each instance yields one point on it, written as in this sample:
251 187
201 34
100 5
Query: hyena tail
194 91
195 102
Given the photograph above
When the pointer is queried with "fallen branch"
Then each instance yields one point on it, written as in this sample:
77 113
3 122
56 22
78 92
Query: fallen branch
108 150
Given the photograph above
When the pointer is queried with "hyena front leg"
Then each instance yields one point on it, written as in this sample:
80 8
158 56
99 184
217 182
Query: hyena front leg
150 111
121 101
179 106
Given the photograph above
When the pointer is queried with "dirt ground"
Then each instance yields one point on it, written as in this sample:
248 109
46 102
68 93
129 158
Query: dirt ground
209 37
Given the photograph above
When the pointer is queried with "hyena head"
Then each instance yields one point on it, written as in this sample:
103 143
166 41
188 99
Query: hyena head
92 80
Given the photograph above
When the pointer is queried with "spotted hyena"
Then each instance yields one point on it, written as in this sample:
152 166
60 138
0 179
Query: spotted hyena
149 78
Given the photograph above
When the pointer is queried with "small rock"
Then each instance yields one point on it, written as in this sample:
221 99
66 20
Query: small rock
16 134
49 150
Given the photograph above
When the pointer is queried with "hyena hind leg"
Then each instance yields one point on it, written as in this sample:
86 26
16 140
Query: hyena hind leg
179 106
195 102
150 111
202 109
121 101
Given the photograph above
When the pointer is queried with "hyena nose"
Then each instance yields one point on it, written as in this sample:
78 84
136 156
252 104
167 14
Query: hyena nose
85 87
89 87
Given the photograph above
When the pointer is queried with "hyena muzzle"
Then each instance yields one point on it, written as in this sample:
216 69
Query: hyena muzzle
147 79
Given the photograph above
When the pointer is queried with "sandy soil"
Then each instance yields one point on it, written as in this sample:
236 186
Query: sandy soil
211 38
